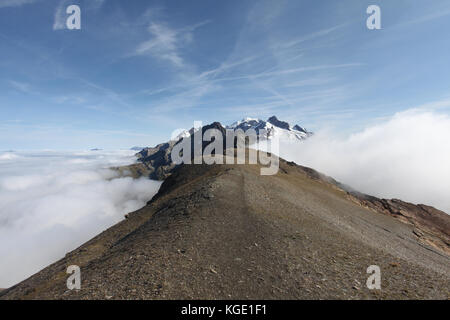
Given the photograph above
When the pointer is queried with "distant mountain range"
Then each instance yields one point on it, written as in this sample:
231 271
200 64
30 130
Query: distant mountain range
156 162
272 127
137 148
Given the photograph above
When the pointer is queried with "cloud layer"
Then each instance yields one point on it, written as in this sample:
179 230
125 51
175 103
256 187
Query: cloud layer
50 203
406 157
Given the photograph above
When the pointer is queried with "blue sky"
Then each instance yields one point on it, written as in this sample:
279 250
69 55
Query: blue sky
137 70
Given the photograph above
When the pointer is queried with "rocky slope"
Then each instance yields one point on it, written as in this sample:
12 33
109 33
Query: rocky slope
432 226
226 232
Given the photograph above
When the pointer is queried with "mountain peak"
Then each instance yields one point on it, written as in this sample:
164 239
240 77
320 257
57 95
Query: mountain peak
273 127
301 129
281 124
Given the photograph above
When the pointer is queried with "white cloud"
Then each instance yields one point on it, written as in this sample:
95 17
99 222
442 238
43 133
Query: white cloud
405 157
69 99
21 86
8 156
167 42
50 203
270 74
436 105
14 3
438 14
60 15
163 44
312 36
316 81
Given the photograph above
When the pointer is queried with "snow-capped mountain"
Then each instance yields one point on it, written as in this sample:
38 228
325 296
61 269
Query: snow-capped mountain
183 134
274 128
158 162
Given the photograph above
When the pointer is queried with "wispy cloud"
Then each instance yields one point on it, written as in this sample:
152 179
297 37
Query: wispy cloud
163 45
14 3
186 99
272 69
60 15
22 86
96 4
316 81
436 105
224 66
108 93
167 42
58 23
310 37
440 13
313 102
290 71
69 99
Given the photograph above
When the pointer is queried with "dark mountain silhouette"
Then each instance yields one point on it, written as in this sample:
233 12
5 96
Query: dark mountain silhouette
281 124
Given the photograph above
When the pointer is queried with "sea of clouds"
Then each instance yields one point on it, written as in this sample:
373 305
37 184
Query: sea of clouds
406 156
52 202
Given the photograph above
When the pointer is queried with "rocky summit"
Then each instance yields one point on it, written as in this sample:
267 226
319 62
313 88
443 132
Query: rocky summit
156 163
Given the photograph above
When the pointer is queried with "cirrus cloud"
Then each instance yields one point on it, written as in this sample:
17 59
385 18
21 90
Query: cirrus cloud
14 3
